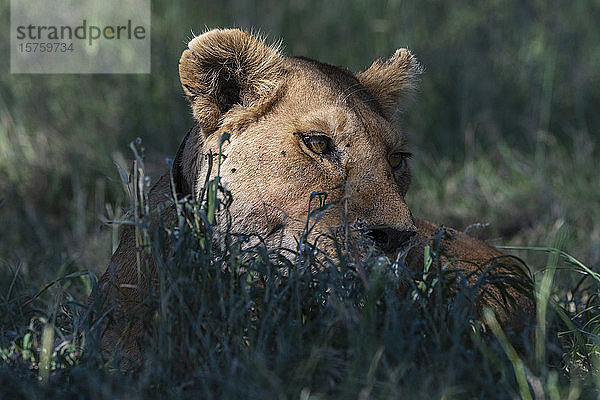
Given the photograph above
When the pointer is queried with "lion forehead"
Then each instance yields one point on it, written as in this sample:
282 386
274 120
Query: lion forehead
334 81
320 97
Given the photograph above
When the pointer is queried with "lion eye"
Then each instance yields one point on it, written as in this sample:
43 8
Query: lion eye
398 160
319 144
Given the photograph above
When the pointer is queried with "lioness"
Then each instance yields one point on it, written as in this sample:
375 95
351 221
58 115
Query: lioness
297 126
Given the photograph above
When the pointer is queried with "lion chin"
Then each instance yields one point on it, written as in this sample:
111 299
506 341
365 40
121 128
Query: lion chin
296 126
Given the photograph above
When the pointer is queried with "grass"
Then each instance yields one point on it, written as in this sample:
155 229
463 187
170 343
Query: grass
505 136
246 322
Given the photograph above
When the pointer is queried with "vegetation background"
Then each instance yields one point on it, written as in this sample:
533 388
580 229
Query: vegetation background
505 130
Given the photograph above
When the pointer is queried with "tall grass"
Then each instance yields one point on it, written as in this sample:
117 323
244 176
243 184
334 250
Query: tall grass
246 321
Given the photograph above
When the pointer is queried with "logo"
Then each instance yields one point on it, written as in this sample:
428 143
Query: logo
80 36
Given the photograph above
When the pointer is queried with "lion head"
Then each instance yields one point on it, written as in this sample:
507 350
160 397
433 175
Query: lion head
296 126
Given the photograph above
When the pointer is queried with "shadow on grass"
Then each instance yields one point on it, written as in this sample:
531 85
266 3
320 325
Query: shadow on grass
241 319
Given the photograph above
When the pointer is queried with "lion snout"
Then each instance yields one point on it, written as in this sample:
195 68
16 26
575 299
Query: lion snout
390 239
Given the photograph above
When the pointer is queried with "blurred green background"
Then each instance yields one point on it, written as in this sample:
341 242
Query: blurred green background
505 130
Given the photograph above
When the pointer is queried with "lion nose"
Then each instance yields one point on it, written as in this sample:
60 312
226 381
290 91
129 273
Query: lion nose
390 239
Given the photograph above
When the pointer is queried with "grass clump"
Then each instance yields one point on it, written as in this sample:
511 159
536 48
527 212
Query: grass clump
240 319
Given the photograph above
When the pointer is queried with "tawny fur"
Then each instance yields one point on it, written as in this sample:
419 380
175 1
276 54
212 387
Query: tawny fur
267 102
227 55
392 82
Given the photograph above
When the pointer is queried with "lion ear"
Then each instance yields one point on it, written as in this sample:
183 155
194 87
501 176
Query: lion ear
392 82
224 68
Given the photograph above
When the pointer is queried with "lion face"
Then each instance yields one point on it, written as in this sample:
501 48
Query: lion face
295 127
